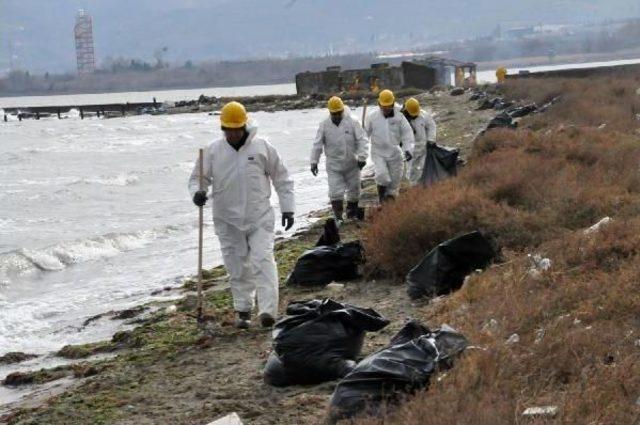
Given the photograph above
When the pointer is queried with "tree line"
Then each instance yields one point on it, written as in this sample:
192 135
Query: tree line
125 74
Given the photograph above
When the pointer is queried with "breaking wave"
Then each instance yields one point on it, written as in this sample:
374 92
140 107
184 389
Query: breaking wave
60 256
118 180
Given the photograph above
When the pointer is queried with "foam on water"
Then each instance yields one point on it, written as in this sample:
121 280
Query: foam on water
119 180
5 223
23 261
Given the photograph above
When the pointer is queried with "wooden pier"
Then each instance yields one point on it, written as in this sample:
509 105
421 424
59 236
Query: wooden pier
106 109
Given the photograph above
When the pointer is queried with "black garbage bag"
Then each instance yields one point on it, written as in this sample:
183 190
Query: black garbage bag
325 264
522 111
330 235
477 96
411 330
488 103
439 163
502 104
403 367
318 341
444 268
502 120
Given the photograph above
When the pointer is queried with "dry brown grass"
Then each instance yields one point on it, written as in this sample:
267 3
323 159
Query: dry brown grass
521 187
610 100
578 328
579 322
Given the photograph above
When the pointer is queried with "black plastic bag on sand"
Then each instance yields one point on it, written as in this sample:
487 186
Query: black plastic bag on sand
444 268
325 264
402 368
318 341
439 163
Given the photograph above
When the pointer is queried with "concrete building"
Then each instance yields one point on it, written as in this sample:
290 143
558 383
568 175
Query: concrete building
418 74
451 72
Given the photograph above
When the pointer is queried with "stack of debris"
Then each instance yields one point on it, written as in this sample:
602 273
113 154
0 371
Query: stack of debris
510 111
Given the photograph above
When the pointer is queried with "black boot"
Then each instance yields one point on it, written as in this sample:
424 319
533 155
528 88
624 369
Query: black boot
352 210
382 193
243 319
266 320
338 209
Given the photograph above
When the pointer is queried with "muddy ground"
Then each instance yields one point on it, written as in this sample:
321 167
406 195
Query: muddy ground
169 371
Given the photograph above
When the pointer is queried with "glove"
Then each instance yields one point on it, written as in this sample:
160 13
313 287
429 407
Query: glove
287 220
200 198
407 156
361 164
314 169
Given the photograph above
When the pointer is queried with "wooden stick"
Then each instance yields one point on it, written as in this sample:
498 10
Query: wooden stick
364 112
200 238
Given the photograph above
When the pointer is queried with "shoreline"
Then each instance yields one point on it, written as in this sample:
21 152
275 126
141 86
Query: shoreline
46 369
213 104
168 336
75 363
22 362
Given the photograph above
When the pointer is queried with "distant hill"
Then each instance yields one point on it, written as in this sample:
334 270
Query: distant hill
41 31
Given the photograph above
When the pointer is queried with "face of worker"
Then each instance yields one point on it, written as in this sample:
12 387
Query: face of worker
336 117
234 135
408 116
386 110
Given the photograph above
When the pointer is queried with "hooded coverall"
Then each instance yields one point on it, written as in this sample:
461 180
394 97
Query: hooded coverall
390 138
424 130
243 217
343 145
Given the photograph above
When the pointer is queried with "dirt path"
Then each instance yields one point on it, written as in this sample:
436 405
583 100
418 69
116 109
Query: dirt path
172 373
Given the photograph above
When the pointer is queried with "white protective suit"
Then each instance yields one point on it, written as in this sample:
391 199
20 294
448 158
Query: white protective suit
390 138
343 145
424 131
243 217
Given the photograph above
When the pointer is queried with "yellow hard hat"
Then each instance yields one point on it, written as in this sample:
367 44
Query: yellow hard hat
335 104
412 106
233 115
386 98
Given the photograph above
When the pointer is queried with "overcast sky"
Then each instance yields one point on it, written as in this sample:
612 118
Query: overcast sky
39 33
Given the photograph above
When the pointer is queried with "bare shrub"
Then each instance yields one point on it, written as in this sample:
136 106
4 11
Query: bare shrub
535 190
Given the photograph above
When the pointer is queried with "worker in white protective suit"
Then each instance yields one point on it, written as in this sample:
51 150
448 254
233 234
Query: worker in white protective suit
240 168
424 132
391 144
346 148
